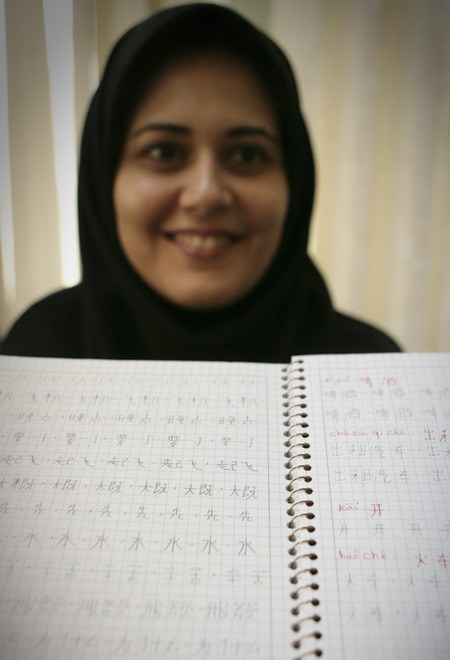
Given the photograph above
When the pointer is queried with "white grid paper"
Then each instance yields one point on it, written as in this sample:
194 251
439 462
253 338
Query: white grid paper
381 453
135 511
143 513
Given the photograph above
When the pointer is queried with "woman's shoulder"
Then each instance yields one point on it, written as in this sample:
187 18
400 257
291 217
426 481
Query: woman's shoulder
351 335
50 327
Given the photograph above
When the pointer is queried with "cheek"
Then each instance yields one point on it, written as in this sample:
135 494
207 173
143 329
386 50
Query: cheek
134 221
269 212
133 198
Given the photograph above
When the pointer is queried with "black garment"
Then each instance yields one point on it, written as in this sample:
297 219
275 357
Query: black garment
113 313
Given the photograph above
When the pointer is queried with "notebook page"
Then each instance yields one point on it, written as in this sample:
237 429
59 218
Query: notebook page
380 445
142 511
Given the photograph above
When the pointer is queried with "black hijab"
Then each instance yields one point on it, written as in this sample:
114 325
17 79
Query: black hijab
118 315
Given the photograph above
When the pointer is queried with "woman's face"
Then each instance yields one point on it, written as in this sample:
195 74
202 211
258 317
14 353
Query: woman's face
200 192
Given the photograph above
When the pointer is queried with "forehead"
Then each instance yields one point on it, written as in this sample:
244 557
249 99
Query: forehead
210 82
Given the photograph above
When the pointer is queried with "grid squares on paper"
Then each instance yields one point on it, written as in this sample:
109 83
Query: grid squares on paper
151 480
384 515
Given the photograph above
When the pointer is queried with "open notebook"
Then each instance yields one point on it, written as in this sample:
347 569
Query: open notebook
178 510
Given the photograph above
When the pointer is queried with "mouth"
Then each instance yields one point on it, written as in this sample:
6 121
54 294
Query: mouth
202 244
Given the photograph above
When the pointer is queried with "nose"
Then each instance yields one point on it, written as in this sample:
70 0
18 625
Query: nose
205 190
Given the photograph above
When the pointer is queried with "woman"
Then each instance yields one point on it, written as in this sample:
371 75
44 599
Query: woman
196 187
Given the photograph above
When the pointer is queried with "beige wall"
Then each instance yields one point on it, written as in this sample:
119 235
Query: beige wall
375 82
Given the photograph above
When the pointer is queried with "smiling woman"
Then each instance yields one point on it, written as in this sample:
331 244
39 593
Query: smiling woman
200 192
196 185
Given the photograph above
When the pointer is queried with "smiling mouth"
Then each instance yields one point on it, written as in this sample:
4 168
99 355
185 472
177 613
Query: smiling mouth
202 240
202 244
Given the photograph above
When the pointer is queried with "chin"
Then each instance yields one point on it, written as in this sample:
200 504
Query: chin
206 302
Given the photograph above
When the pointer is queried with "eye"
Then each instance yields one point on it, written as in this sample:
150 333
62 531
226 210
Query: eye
248 157
165 153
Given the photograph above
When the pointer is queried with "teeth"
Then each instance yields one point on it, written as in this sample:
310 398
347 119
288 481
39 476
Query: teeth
199 241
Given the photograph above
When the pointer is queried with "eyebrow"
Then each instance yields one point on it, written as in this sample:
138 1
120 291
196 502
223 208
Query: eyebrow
236 131
171 128
244 131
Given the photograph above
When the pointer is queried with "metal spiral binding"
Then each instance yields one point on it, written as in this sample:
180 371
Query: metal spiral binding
301 514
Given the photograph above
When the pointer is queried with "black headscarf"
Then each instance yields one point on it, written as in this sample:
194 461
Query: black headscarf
119 315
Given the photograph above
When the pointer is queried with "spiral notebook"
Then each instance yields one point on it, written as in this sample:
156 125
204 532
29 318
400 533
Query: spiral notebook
177 510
